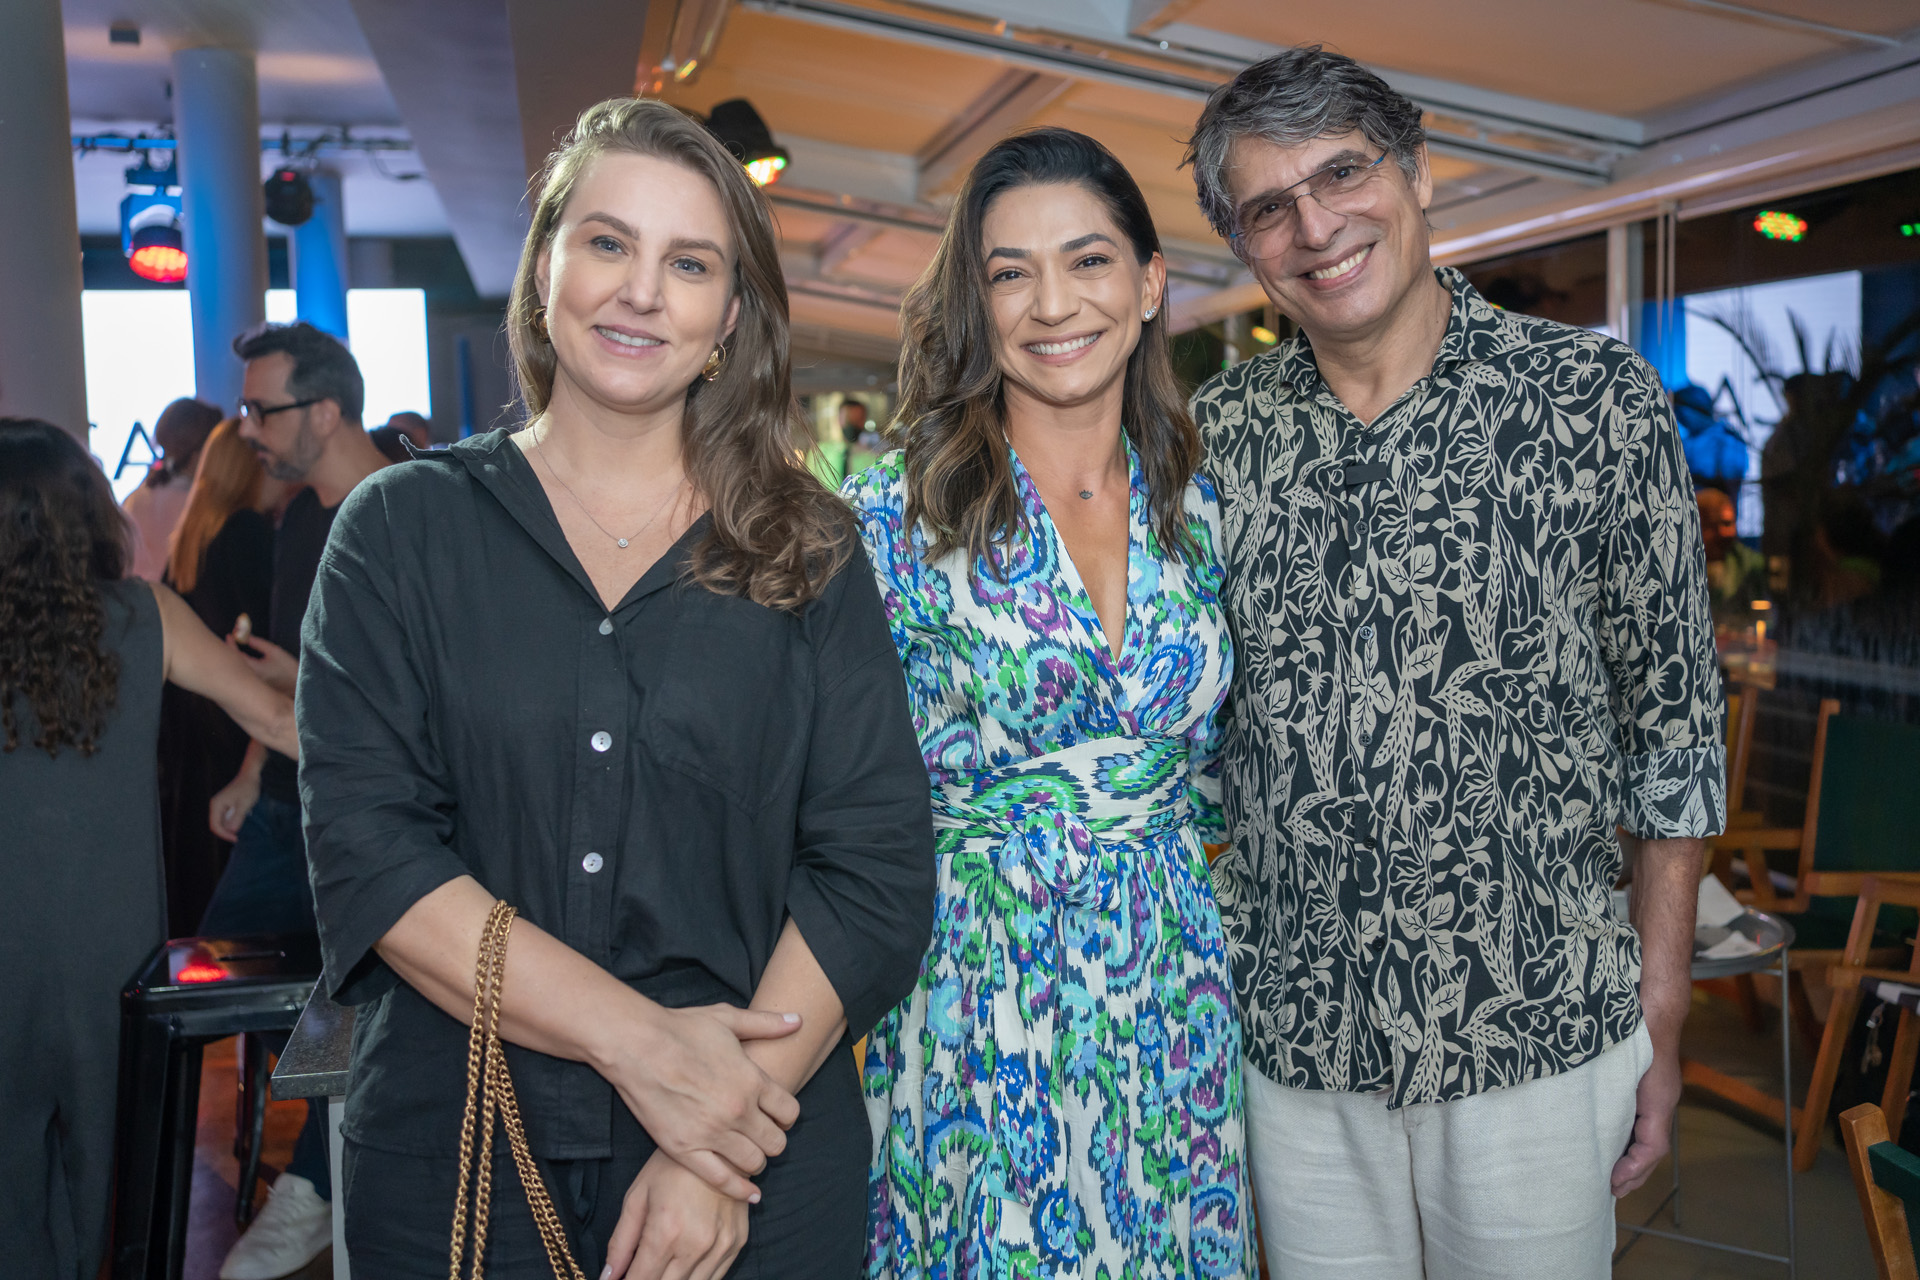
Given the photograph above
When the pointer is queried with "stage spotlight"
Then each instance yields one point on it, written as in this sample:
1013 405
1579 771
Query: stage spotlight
289 197
150 225
742 131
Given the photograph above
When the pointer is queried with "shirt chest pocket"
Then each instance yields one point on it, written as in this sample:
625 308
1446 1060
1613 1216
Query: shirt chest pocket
729 707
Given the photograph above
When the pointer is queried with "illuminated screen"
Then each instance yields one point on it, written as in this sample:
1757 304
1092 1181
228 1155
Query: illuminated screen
139 352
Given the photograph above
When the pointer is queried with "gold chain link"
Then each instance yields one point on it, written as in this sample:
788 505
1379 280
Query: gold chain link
489 1096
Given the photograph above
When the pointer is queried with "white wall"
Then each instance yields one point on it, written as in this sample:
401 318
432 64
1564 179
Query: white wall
139 350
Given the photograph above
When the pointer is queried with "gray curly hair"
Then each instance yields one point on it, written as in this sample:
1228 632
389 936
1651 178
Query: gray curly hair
1290 98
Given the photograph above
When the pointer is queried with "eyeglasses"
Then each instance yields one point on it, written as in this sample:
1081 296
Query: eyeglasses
254 411
1266 228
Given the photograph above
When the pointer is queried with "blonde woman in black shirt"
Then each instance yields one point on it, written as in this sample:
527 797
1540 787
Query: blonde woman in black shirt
627 670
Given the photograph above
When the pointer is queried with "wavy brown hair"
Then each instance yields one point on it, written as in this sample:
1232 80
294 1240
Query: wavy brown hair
953 396
227 479
777 534
60 536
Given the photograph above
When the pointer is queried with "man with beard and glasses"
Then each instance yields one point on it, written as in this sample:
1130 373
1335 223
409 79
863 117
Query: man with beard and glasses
300 410
1468 597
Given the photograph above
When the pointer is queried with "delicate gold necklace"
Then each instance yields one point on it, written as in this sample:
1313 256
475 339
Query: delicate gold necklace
618 541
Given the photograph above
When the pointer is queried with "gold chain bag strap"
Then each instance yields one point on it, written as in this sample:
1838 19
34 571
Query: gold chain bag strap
490 1094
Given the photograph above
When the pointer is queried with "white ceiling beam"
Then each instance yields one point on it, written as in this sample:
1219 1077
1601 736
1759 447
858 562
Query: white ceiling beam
1006 105
1503 110
1771 18
1147 16
859 172
845 240
455 87
1577 155
1812 93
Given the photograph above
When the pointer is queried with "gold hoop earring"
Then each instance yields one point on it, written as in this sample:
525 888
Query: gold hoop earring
538 323
715 363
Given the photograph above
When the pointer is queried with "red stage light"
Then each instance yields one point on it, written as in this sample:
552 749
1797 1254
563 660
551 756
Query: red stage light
160 263
200 971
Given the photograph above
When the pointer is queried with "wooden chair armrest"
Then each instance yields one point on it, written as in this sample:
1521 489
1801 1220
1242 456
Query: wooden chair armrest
1899 888
1863 1129
1744 819
1853 975
1758 838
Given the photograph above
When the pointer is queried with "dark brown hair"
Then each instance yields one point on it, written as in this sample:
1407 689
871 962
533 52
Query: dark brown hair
777 534
952 394
60 536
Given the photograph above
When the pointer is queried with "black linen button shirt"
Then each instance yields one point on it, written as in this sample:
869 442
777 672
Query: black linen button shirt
1473 637
659 787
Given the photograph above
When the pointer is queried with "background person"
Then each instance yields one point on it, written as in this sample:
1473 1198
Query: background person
221 563
1462 666
83 654
1736 573
154 508
689 763
300 411
414 426
1046 552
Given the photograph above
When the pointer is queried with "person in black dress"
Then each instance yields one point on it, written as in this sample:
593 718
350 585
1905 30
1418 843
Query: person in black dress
221 563
627 670
83 654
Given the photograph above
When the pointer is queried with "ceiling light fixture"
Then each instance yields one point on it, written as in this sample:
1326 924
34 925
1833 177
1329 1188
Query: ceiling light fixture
688 46
150 217
1775 224
289 197
741 130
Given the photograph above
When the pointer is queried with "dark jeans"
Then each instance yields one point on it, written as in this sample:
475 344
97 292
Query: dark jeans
810 1224
265 890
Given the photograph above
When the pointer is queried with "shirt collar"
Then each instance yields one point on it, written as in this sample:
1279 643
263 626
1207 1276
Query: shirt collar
503 470
1474 333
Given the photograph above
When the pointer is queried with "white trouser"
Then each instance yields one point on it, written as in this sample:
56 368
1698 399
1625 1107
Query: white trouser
1510 1183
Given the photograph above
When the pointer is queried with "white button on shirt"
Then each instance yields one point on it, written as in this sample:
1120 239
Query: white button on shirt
601 740
592 863
606 626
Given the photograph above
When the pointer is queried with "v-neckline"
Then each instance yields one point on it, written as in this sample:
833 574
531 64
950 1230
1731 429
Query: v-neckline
1082 598
664 569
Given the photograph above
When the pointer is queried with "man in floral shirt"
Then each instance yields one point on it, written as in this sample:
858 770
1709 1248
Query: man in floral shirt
1476 678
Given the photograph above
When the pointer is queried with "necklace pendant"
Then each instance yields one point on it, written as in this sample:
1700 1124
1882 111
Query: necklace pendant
1086 493
621 542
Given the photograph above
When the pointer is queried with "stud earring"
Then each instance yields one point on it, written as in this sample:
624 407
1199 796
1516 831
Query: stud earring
539 324
715 363
1152 311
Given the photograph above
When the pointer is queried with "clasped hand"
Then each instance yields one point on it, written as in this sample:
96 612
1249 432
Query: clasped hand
687 1080
717 1119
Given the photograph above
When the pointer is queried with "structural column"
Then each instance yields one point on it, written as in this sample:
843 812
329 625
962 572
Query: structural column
42 374
216 112
318 252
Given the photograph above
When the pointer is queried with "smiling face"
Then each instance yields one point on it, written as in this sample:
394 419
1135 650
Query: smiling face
1067 292
638 283
1343 274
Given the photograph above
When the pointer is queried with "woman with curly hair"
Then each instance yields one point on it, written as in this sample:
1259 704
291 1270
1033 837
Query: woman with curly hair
83 654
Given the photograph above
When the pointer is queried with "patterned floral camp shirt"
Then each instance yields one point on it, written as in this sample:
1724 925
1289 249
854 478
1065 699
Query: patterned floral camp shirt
1473 637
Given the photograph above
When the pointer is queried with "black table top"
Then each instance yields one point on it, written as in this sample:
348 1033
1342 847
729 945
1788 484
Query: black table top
315 1062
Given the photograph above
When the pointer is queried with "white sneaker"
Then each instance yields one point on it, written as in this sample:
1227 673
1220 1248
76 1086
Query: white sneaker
290 1230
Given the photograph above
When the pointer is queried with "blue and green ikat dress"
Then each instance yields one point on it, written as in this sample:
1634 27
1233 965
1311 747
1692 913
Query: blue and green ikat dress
1060 1095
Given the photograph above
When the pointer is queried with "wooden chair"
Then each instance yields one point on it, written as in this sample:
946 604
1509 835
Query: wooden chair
1862 819
1887 1179
1845 978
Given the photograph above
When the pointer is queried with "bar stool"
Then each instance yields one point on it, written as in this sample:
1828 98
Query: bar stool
192 991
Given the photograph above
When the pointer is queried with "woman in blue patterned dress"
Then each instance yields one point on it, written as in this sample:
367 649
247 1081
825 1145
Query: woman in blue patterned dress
1060 1095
